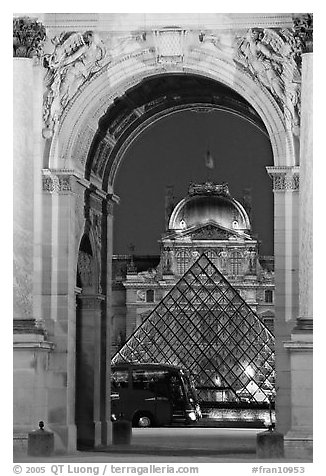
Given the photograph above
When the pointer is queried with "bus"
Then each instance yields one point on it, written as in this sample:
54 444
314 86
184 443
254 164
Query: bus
153 395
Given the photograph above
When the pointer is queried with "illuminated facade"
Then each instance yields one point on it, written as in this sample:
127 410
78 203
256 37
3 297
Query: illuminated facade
210 221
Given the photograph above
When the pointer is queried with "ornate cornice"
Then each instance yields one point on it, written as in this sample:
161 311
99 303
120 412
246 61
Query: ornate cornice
303 31
28 37
284 178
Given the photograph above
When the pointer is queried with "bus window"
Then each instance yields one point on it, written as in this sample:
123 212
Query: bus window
151 380
119 379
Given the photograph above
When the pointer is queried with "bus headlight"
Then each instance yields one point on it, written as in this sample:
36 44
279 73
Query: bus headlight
192 416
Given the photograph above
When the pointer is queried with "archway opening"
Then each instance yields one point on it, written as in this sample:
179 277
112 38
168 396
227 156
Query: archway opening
172 152
85 328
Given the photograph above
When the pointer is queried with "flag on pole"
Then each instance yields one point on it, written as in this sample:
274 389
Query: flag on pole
209 161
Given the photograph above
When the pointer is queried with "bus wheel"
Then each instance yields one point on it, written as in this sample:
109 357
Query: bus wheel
143 420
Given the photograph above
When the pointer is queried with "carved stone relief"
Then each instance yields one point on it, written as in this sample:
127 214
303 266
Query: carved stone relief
76 57
22 288
85 268
210 232
270 57
96 225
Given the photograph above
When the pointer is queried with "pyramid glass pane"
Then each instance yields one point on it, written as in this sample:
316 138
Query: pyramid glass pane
204 325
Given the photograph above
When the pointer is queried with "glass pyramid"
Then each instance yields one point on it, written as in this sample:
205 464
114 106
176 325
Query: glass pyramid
205 326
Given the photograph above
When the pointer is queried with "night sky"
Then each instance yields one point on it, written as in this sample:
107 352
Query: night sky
172 152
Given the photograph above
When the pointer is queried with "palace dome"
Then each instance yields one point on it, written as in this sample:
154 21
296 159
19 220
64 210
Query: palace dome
209 203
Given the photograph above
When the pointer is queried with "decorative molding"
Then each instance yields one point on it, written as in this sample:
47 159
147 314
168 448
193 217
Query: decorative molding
298 346
28 326
303 325
28 37
209 188
284 178
43 345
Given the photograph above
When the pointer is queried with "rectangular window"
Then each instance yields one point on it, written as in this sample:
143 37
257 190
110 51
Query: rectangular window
269 296
147 379
150 295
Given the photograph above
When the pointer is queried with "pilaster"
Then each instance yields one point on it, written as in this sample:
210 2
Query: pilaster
299 439
31 344
286 251
57 289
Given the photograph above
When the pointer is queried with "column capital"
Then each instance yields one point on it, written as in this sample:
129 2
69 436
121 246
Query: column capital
303 31
28 37
285 178
57 181
91 301
111 200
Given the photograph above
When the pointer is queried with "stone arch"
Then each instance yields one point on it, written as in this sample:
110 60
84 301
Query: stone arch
80 122
81 118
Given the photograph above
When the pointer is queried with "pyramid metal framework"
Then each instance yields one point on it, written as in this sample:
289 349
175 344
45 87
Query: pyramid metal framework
205 326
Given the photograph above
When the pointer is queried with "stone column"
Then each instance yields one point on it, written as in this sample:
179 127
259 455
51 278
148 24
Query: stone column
31 346
298 441
286 251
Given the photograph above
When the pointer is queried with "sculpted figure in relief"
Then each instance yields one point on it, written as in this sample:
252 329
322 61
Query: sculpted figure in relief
269 57
75 58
